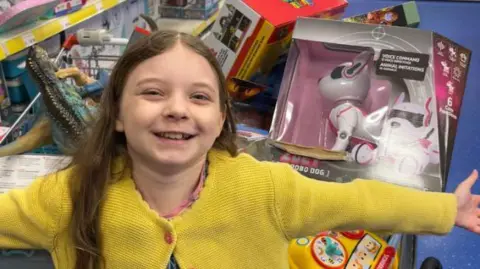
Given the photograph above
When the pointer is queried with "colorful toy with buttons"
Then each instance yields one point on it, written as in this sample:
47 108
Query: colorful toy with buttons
342 250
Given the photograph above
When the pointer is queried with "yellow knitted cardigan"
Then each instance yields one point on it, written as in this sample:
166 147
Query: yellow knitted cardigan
244 217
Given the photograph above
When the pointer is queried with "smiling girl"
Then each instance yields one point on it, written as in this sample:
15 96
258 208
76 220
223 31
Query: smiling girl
158 182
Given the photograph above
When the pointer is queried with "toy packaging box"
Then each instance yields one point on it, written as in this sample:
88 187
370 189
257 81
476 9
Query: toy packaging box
405 14
249 36
68 6
192 3
188 9
388 97
257 97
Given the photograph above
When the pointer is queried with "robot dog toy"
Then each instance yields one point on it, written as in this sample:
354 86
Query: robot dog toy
404 134
404 141
347 86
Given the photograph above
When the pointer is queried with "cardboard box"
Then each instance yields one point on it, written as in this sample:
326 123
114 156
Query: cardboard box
390 97
174 3
250 35
68 6
205 4
405 14
182 9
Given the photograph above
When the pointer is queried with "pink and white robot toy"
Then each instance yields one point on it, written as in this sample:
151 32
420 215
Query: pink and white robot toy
405 136
406 140
347 86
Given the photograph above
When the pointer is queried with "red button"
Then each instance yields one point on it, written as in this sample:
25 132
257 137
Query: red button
356 234
168 238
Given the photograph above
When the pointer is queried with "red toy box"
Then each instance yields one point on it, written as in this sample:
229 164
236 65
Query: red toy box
250 35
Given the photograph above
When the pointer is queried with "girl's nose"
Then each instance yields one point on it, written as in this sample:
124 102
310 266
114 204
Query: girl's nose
176 108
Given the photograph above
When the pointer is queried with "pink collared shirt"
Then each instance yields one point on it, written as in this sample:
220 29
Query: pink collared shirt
193 196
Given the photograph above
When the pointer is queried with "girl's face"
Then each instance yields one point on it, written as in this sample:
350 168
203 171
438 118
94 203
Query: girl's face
170 109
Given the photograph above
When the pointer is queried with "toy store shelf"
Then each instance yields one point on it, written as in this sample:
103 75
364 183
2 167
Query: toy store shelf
23 37
194 27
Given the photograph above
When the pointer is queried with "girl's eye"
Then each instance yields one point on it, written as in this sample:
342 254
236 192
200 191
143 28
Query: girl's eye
152 92
202 97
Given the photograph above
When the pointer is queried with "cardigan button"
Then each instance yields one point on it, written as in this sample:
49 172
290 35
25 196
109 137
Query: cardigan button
168 238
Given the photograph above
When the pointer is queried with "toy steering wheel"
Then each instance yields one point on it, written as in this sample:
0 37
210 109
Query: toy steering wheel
329 252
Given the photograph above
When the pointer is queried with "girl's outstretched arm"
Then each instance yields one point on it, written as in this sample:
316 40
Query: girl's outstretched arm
305 206
29 217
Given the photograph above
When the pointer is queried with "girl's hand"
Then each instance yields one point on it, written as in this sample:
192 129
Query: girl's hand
468 211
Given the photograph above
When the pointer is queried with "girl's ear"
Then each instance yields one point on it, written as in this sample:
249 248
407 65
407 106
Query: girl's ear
119 127
221 123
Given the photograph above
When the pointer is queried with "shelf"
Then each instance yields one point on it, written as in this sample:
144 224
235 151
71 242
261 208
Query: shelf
194 27
21 38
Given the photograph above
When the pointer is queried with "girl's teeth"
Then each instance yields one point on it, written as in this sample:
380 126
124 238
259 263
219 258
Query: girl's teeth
176 136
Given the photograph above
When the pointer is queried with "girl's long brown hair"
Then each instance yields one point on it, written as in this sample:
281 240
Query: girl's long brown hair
92 164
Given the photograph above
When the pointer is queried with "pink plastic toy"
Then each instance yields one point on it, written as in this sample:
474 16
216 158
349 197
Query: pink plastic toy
347 86
25 12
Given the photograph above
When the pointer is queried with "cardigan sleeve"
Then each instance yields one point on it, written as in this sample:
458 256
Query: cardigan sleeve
29 216
306 206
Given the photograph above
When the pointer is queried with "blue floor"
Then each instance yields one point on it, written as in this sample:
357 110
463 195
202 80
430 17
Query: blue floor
457 21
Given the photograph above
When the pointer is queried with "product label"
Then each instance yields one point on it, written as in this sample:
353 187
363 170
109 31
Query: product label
386 259
3 131
365 253
99 6
231 35
307 166
387 16
61 7
450 62
234 27
299 3
407 65
65 22
17 172
28 39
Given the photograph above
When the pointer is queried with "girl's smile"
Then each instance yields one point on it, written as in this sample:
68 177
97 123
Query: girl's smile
174 137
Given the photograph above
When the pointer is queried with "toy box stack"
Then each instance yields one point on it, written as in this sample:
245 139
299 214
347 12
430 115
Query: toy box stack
188 9
254 100
249 36
388 97
405 14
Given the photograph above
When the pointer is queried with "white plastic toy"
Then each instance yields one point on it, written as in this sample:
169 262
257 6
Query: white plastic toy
347 86
405 141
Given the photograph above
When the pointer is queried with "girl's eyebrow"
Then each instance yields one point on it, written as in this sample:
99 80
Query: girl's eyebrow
201 84
150 80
